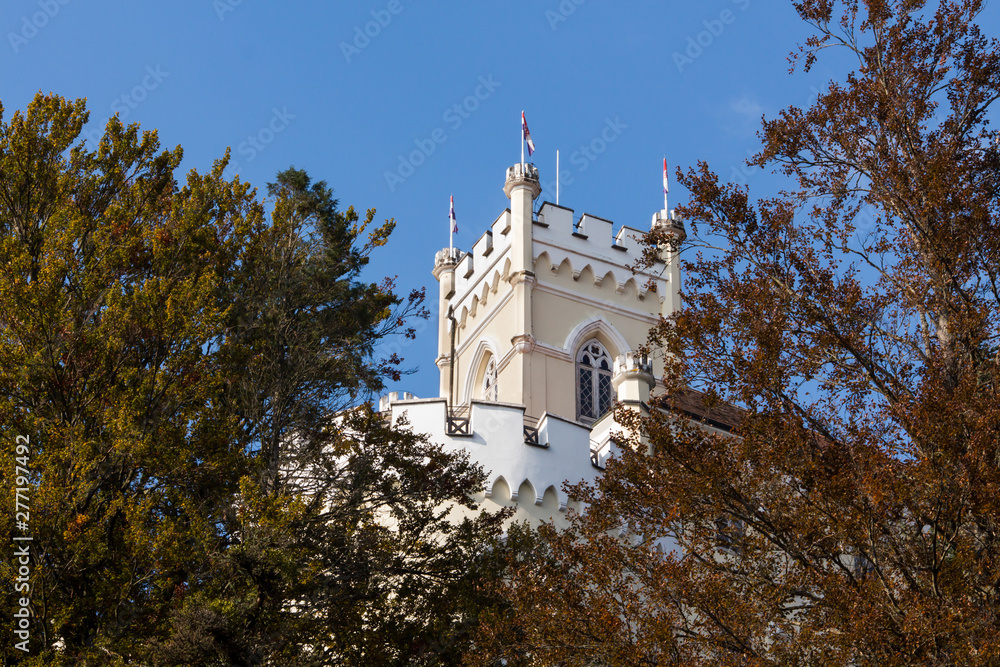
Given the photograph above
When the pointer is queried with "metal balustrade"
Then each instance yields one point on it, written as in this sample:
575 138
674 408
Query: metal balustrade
458 421
531 433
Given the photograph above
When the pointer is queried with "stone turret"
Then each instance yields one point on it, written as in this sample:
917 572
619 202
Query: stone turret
633 378
668 222
522 186
445 263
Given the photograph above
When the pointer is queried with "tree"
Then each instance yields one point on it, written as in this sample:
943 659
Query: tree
179 359
850 517
302 327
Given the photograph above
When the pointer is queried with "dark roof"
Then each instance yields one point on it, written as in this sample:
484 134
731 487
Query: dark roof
690 402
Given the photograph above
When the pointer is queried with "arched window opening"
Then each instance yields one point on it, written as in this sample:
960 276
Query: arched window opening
490 381
594 393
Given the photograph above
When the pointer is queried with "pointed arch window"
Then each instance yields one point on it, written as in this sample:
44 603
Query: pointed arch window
594 393
490 380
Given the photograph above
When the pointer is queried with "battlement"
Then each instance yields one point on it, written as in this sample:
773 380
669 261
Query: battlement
447 257
487 257
591 242
560 237
557 239
522 175
587 246
669 221
589 235
632 362
385 402
530 459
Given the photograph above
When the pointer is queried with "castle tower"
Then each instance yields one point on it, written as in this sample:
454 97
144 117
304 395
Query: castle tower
539 327
534 290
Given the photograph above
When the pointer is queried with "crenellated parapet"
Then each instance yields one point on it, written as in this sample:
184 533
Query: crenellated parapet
633 378
526 460
632 364
590 250
446 259
483 270
489 250
585 249
670 222
522 174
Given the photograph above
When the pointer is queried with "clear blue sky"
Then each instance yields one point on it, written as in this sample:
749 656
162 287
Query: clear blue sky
301 83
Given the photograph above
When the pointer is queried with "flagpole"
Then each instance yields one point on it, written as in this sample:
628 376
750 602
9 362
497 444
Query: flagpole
522 141
666 185
451 230
557 177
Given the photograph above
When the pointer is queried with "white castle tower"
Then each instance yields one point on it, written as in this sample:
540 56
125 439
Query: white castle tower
537 337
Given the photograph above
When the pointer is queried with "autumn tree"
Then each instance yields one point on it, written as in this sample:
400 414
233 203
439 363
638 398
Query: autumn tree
180 356
850 517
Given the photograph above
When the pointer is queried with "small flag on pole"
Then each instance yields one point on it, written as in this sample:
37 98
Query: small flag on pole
527 135
666 184
451 216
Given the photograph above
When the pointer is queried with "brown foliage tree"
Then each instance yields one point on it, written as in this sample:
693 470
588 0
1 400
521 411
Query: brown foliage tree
851 517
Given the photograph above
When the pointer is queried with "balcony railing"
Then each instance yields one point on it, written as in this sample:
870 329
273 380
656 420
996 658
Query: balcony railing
531 432
458 421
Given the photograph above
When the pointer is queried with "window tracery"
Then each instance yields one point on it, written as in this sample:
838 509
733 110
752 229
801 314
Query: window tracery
489 386
594 393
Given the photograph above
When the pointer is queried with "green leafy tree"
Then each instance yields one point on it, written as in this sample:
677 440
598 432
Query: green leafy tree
180 359
850 518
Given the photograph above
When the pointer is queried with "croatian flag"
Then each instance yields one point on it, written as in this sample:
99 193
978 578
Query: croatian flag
666 183
527 135
451 216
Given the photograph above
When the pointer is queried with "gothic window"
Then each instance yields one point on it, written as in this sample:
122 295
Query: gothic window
863 568
593 381
729 534
490 380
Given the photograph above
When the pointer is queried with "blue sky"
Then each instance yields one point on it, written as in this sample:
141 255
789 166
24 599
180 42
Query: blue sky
400 103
